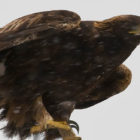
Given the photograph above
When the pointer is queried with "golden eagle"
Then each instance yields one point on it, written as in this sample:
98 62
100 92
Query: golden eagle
52 63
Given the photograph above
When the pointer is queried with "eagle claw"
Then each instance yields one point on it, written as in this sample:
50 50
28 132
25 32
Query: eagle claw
74 124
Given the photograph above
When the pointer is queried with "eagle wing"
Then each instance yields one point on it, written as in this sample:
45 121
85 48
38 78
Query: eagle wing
30 27
26 31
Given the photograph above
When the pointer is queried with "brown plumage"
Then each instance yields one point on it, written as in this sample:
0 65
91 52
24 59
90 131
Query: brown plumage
52 62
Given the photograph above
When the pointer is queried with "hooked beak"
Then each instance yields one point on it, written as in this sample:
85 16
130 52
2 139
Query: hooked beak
135 31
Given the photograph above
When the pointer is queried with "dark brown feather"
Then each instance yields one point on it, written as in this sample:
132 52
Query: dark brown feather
51 58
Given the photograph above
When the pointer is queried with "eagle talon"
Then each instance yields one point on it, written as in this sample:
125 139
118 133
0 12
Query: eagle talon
74 124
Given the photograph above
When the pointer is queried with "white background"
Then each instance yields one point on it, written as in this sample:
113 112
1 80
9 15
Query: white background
117 118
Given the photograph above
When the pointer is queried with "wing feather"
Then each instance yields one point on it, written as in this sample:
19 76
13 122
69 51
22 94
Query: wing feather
29 27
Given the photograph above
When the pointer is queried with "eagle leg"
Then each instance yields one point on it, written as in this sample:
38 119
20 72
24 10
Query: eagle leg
59 122
63 127
50 124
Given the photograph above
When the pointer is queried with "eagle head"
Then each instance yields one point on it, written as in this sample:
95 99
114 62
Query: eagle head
125 27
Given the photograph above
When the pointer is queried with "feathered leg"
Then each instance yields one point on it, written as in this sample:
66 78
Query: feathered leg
59 122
